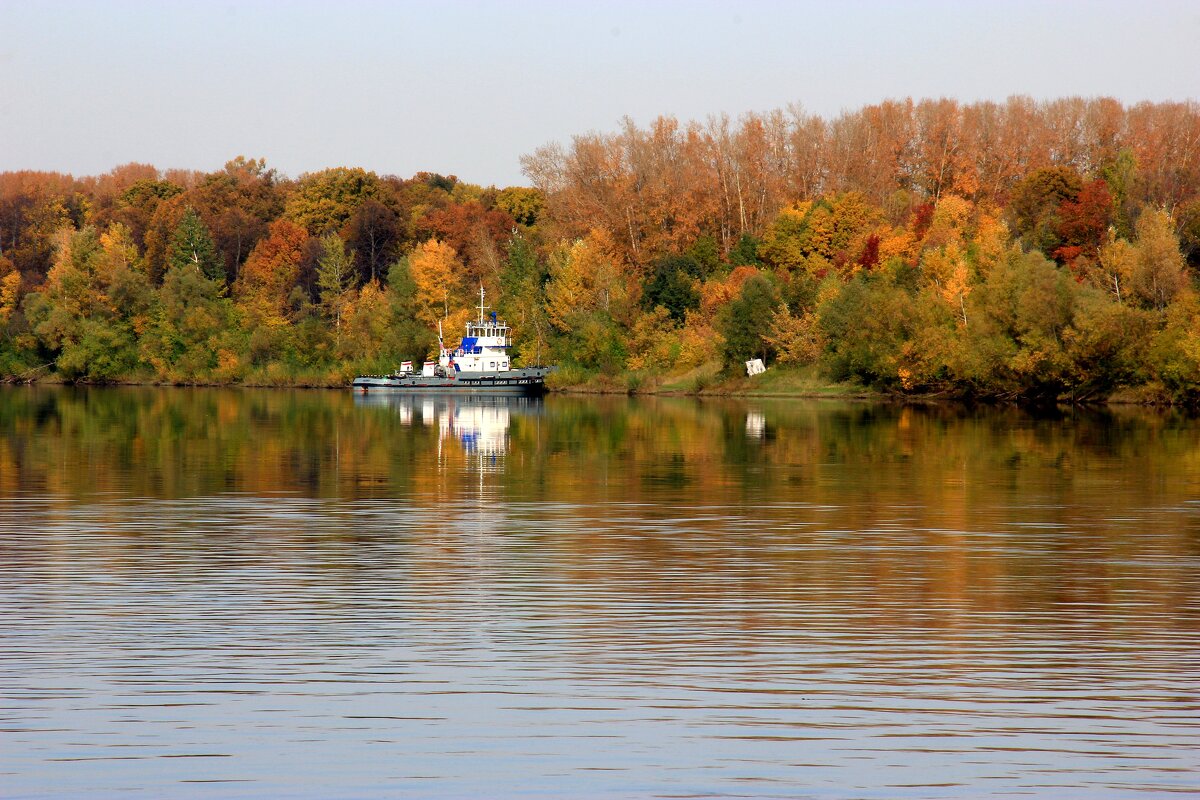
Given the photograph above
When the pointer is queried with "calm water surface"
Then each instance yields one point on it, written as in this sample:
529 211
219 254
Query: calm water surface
308 595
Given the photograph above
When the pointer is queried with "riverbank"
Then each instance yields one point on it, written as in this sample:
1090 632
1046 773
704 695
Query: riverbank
708 380
805 382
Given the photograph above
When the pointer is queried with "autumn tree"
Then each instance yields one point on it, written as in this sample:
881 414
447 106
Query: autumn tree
94 305
136 205
1036 204
437 273
591 296
325 201
33 207
474 232
373 232
1159 272
1116 263
10 290
900 238
587 276
524 205
238 203
270 274
1083 222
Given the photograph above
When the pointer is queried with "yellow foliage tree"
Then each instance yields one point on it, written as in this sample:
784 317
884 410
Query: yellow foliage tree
1160 272
10 289
119 252
798 340
899 243
991 243
437 272
589 275
947 271
1117 263
653 341
365 322
951 217
699 341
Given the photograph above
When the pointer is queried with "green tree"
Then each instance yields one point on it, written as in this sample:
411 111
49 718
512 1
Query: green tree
191 243
1107 345
707 254
1020 317
1174 355
746 322
674 286
879 334
1189 231
1121 175
744 252
408 338
335 277
523 300
596 342
193 336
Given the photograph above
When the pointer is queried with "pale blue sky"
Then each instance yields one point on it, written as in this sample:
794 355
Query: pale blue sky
467 88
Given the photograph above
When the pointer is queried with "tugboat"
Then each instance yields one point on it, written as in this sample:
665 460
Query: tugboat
479 365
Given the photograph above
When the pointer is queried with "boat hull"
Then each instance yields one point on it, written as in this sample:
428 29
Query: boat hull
527 382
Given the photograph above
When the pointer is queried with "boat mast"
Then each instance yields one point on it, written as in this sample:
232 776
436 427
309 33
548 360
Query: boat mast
481 305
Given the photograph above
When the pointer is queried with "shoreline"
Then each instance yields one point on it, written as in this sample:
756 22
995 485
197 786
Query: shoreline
788 385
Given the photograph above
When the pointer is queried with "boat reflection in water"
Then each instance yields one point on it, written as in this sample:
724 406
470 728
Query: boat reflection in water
480 424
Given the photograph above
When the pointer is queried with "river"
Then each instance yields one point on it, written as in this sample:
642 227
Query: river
289 594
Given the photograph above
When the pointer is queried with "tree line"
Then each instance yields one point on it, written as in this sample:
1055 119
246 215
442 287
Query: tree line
1029 250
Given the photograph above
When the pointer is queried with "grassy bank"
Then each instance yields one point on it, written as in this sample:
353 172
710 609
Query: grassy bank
805 382
709 380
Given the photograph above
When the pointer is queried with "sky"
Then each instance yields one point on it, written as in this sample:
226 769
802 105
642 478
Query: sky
467 88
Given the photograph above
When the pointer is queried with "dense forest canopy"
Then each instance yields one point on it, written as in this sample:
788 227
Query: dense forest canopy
1021 249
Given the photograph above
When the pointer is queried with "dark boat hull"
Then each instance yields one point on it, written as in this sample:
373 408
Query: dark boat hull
527 382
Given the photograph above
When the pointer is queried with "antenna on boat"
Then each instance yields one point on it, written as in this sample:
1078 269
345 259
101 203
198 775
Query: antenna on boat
482 307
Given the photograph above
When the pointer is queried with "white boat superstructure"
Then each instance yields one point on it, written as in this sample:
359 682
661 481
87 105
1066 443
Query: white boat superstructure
484 348
481 364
